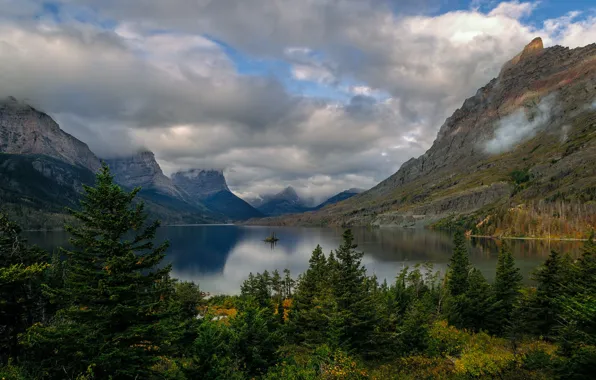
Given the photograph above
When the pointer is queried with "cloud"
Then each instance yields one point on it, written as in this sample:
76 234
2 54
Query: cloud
521 125
166 76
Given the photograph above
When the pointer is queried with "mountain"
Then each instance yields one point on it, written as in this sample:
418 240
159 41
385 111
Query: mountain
210 188
43 170
346 194
25 130
142 170
285 202
515 159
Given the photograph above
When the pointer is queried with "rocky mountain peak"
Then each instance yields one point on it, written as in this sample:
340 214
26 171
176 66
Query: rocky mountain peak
289 193
200 183
25 130
534 48
142 170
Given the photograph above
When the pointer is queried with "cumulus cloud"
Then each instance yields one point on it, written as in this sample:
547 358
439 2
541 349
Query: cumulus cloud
520 126
166 76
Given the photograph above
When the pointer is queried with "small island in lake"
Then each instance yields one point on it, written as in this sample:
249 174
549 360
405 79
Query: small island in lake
271 238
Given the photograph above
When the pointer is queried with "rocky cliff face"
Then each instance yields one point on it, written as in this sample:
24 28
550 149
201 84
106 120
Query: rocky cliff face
538 117
209 187
200 183
25 130
142 170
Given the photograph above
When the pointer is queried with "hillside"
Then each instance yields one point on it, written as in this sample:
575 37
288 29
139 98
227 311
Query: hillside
346 194
521 147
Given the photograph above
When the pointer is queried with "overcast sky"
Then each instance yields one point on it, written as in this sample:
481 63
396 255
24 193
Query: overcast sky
323 95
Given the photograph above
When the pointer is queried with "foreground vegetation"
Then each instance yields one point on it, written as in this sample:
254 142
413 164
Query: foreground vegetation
108 308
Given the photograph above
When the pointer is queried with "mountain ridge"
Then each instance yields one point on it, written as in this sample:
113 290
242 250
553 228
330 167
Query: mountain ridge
544 97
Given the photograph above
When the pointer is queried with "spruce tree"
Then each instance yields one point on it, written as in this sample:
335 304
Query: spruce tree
551 281
21 270
355 304
459 266
508 282
307 319
115 289
477 303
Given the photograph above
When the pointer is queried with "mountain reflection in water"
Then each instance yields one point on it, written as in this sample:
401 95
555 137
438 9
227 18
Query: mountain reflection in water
220 257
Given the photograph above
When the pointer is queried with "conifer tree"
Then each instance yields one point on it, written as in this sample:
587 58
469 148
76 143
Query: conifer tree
578 301
354 303
506 289
477 303
276 285
21 270
115 289
551 281
308 320
459 266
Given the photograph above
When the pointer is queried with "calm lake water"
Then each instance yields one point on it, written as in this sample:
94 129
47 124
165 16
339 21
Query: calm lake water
220 257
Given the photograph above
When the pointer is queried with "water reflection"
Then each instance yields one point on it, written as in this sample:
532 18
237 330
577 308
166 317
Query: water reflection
220 257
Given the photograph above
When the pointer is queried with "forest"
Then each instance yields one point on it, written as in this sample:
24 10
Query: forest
107 308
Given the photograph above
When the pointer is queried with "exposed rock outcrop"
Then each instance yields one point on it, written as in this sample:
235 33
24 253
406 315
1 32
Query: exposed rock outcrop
210 188
200 183
25 130
142 170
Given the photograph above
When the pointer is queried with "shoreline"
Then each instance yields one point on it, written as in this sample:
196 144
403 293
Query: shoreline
526 238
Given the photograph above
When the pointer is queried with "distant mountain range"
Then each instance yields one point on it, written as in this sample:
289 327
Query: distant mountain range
43 169
289 202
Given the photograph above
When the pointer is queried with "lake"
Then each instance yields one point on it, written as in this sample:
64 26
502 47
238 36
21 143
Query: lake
220 257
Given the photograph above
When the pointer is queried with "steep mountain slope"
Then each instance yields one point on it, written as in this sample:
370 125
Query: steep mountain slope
346 194
210 188
35 189
285 202
25 130
142 170
523 142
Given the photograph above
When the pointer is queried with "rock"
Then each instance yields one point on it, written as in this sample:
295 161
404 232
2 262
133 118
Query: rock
25 130
210 188
200 183
142 170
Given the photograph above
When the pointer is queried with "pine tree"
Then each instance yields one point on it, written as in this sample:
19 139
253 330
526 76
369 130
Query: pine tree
477 303
354 302
276 285
288 283
578 301
506 289
21 271
551 280
459 266
115 290
308 319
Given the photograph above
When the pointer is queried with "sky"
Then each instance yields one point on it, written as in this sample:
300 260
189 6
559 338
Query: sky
322 95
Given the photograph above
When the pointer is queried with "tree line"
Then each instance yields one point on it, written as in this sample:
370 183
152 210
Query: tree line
107 308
